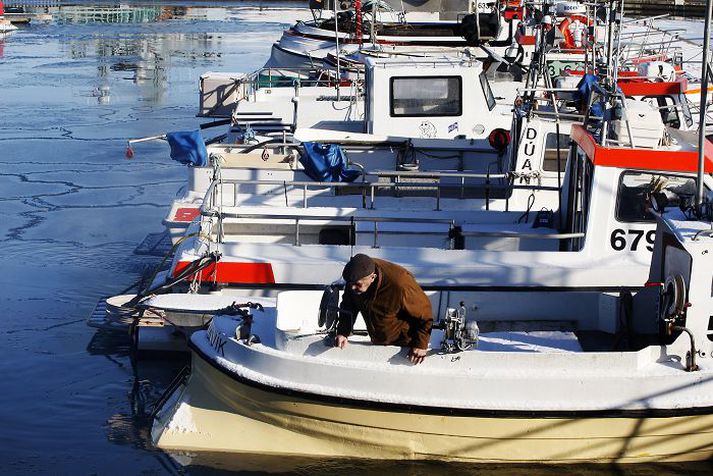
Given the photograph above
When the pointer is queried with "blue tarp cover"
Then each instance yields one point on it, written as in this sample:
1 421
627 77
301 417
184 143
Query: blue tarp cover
188 147
326 163
586 86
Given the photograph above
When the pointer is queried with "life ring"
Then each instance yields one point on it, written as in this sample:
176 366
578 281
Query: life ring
570 42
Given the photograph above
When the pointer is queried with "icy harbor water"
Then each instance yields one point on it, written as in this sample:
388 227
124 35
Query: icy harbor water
73 210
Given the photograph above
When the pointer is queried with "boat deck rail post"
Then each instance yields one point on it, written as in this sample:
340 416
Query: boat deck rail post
706 73
625 115
646 36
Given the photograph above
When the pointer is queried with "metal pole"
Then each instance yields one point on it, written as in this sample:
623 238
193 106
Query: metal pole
373 21
704 100
610 32
336 39
357 13
618 43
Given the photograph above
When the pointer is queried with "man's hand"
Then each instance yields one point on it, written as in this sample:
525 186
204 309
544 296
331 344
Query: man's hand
416 356
340 341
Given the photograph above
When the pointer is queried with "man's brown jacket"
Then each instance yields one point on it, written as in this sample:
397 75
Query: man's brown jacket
395 309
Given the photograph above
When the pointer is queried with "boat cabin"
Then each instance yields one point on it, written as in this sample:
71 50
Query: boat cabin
430 98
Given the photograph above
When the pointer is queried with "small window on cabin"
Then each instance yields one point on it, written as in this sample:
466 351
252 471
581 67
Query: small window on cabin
489 97
635 188
667 108
426 96
551 158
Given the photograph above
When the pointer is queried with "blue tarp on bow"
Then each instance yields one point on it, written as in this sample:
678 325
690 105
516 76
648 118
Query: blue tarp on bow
188 147
326 163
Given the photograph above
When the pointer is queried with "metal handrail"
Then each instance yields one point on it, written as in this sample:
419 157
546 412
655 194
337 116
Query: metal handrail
370 187
349 218
412 174
332 218
512 234
364 185
252 81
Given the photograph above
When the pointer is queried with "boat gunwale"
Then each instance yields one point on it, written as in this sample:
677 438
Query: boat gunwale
448 411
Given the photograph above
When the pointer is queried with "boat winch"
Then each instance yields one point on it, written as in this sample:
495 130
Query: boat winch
244 331
459 334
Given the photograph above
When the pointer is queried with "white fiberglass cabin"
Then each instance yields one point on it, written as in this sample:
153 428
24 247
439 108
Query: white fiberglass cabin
433 98
445 96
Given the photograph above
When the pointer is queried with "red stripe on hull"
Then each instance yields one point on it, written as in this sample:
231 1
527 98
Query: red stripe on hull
643 159
650 89
232 272
187 214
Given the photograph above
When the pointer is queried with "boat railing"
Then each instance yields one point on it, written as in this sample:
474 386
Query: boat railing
513 234
451 234
352 220
287 77
215 212
214 196
400 181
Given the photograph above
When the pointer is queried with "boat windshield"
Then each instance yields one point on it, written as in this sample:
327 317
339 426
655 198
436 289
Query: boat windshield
426 96
636 188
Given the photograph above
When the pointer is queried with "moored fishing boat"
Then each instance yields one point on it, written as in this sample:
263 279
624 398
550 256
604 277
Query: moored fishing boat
274 230
258 248
613 378
605 376
6 25
307 43
547 208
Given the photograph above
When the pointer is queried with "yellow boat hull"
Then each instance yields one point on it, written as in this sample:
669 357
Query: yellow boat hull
216 412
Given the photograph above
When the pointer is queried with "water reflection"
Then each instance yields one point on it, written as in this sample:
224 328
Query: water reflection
115 12
221 463
144 60
144 44
152 375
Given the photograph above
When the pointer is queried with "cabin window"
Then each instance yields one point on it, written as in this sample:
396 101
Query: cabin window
489 97
636 187
667 108
426 96
550 160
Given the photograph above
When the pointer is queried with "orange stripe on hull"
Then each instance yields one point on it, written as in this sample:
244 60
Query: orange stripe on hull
697 90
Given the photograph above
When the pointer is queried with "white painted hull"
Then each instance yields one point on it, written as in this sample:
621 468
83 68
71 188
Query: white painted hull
6 26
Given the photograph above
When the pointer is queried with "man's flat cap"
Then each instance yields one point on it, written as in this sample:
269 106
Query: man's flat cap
358 267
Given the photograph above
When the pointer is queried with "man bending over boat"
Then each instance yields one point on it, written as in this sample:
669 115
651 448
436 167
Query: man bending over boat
394 307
